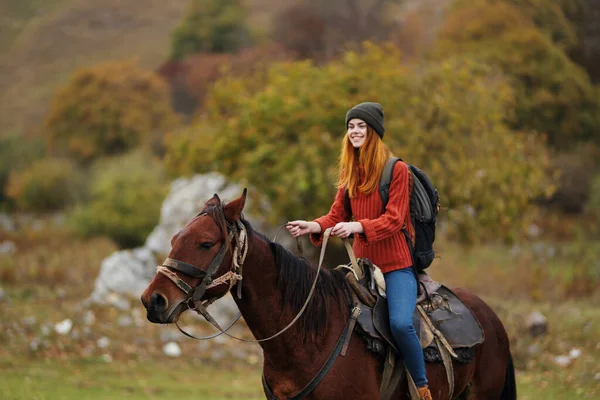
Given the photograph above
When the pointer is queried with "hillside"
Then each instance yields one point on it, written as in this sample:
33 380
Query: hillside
46 41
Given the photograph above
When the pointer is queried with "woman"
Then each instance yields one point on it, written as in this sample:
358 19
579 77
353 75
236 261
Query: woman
378 236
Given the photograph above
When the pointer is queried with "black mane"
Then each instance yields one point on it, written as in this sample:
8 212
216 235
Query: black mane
296 277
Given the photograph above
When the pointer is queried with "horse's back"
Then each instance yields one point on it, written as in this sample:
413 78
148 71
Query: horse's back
493 355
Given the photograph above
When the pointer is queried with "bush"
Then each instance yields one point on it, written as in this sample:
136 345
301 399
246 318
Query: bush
16 153
192 77
576 169
321 30
213 26
280 133
125 198
108 109
553 94
593 203
46 185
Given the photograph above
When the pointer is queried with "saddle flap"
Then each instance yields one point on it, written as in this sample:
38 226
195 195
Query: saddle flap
454 320
381 321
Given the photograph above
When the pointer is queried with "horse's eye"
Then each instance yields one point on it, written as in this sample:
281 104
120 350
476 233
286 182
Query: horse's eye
206 245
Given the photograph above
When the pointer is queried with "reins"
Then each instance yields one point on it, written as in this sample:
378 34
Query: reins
234 275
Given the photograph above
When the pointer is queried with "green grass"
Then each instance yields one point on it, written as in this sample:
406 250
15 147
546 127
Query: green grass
170 379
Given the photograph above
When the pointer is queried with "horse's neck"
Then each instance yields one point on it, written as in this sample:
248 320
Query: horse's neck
262 303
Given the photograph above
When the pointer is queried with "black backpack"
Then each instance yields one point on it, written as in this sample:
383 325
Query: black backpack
424 206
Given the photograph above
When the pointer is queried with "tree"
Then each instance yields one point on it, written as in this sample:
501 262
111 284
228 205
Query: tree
280 133
211 26
108 109
554 95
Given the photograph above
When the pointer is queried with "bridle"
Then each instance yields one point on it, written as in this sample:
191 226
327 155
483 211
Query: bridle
236 233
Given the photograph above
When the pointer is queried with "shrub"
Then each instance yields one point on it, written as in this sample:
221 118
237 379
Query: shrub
125 198
16 152
280 133
321 30
47 184
553 94
108 109
213 26
192 77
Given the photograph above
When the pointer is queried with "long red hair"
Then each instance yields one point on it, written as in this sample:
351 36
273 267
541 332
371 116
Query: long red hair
371 157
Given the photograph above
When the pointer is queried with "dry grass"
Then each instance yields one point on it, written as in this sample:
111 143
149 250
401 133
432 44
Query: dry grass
76 34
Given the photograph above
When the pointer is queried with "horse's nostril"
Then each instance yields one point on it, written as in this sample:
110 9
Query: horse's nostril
158 302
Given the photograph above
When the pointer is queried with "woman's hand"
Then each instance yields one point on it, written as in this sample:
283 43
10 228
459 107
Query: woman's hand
345 229
299 228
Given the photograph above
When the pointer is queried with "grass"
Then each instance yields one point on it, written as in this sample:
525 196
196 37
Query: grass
96 379
51 274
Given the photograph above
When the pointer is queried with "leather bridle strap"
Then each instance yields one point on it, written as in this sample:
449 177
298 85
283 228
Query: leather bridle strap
200 309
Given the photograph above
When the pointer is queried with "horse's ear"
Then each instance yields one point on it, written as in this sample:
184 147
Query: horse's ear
233 209
214 201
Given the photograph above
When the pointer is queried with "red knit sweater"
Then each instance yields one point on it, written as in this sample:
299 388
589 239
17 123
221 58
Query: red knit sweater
382 241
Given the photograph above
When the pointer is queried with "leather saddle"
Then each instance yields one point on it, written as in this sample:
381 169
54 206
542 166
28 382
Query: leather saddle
446 312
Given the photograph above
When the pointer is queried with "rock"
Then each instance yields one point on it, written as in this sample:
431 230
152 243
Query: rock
533 349
125 321
169 335
63 327
61 293
127 273
3 296
118 301
574 353
124 273
6 223
34 345
217 355
103 342
597 376
88 318
45 330
172 349
8 248
534 231
536 323
186 199
253 359
562 361
29 321
107 358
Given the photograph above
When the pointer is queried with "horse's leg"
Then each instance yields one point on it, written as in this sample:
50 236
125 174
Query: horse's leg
492 356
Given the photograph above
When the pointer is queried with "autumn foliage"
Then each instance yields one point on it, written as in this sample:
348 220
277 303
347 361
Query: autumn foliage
108 109
280 133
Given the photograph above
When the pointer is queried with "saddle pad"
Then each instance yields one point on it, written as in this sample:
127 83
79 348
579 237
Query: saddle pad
458 325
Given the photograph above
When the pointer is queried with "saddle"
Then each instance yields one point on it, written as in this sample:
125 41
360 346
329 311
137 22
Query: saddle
445 326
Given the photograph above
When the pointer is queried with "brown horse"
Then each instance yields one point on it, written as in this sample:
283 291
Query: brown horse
274 288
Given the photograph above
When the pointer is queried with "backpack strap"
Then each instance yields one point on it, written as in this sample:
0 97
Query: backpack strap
386 179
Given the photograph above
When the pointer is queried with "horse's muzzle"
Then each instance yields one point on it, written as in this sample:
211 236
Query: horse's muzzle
156 309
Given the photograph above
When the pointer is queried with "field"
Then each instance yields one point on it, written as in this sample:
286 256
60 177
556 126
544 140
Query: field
113 353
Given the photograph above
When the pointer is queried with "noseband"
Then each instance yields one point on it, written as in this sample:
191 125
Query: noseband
236 232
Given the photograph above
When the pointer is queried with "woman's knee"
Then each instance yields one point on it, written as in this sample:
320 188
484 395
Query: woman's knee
401 327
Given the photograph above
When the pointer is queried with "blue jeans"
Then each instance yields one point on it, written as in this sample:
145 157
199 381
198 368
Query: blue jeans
401 290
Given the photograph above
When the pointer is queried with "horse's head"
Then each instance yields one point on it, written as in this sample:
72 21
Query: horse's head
200 253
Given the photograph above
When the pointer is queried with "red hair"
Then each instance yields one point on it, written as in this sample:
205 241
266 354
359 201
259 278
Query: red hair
371 157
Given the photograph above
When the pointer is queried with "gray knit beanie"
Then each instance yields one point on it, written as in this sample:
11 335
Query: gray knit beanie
371 113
